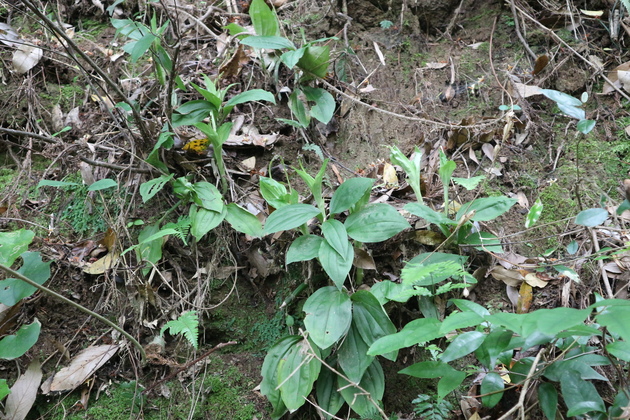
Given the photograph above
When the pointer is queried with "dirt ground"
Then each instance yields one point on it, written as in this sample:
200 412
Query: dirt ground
424 74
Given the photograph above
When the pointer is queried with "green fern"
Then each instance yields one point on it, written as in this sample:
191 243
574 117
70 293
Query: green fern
182 228
187 324
426 408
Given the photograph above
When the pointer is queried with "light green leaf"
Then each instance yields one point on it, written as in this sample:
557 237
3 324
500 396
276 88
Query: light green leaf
619 349
410 166
243 221
468 306
203 221
335 265
324 107
263 19
492 384
534 214
304 248
572 111
417 331
349 193
268 42
469 183
251 96
14 290
615 319
299 109
459 320
428 214
591 217
352 355
290 58
561 97
186 324
290 217
328 316
4 389
484 241
375 223
486 209
59 184
450 378
297 371
102 184
462 345
207 196
568 272
13 244
585 126
153 186
14 346
336 236
494 344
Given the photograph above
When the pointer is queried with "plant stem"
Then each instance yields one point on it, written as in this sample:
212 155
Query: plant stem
64 299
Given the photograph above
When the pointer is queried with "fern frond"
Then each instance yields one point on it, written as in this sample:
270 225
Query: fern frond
187 324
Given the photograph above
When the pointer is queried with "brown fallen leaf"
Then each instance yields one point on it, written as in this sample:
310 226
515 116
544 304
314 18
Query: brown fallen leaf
525 298
82 367
23 392
510 277
363 260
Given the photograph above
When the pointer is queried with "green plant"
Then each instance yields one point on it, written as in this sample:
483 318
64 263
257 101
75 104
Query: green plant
424 407
186 324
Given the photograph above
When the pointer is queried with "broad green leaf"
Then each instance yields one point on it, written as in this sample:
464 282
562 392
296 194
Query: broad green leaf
13 244
371 320
102 184
207 196
269 373
153 186
494 344
484 241
243 221
619 349
468 306
304 248
150 251
415 332
352 355
385 291
548 400
349 193
336 236
299 109
462 345
328 316
297 371
568 272
138 48
251 96
493 385
486 209
585 126
314 62
581 365
4 389
268 42
328 398
561 97
551 321
14 346
534 214
450 378
572 111
324 107
469 183
203 221
275 193
591 217
428 214
335 265
290 58
615 319
428 274
580 396
459 320
572 248
59 184
373 382
14 290
290 217
411 166
263 19
375 223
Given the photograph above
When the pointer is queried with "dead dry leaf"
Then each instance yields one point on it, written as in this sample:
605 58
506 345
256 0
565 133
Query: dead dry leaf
23 392
525 91
525 298
102 264
82 367
614 78
533 280
510 277
26 57
363 260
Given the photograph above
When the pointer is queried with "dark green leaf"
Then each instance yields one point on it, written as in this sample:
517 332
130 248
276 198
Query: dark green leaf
269 373
297 371
375 223
415 332
315 61
493 346
207 196
619 349
349 193
548 399
485 242
203 221
290 217
371 319
580 396
373 382
290 58
324 107
14 346
251 95
268 42
492 384
488 208
336 236
153 186
459 320
102 184
14 290
328 316
328 398
352 355
428 214
299 109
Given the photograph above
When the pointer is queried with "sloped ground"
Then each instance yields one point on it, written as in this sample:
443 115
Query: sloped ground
422 74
